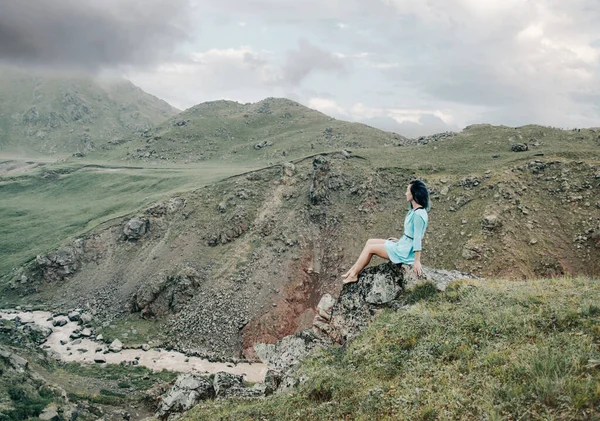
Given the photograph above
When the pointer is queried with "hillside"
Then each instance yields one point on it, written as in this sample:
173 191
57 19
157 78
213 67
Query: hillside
483 349
244 260
272 130
64 115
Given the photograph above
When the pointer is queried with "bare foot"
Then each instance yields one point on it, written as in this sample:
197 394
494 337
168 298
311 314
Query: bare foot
350 279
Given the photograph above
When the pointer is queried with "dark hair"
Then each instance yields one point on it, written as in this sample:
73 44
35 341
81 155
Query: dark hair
420 194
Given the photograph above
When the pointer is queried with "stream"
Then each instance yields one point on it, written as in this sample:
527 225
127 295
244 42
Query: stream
87 349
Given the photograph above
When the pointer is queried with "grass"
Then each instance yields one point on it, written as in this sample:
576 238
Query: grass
41 209
481 350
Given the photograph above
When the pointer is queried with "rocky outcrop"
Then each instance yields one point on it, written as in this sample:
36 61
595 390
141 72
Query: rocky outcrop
135 228
343 319
165 294
190 389
62 263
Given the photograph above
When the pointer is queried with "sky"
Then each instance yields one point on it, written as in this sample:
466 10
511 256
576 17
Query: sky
413 67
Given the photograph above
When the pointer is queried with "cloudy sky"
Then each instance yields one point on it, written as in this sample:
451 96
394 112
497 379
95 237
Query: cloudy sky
414 67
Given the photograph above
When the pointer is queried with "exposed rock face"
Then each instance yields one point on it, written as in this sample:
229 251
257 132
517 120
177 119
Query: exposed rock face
343 319
135 228
189 389
318 188
62 263
165 294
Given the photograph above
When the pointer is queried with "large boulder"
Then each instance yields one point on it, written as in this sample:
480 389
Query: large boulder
188 390
62 263
116 346
135 228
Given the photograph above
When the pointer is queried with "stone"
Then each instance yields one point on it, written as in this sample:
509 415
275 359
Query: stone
491 222
145 347
288 169
222 207
74 316
444 191
519 147
50 413
60 321
85 318
135 228
86 332
99 358
116 346
17 361
188 390
383 289
325 306
100 337
223 382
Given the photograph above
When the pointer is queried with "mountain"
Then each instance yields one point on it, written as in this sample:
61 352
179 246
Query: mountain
271 130
64 115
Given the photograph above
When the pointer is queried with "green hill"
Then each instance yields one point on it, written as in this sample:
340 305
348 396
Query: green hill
272 130
64 115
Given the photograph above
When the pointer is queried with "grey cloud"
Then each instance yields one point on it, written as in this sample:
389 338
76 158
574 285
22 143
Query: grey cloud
90 35
307 58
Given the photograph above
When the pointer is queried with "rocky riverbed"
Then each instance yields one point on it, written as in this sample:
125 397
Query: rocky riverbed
85 350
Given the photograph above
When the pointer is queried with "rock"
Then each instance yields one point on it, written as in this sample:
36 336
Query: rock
145 347
116 346
62 263
100 338
444 191
188 390
325 306
86 332
533 241
60 321
223 383
491 222
17 361
99 358
76 342
74 316
288 169
383 289
222 207
50 413
85 318
519 147
136 228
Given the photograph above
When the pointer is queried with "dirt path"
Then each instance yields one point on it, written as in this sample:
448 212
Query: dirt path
154 359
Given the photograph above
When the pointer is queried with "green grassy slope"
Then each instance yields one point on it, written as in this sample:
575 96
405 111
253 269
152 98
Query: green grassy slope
229 131
482 350
63 115
42 208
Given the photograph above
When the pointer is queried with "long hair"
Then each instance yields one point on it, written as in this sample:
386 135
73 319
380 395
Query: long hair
420 194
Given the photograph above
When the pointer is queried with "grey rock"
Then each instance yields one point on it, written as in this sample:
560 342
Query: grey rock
74 316
135 228
116 346
99 358
288 169
60 321
188 390
519 147
145 347
223 382
383 289
491 222
50 413
85 318
86 332
100 338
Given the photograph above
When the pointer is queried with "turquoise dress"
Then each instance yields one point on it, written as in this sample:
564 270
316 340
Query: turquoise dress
403 250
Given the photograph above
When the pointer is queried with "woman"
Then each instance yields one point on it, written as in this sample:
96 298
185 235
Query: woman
407 250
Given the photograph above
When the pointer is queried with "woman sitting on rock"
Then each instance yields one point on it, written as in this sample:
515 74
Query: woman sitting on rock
407 249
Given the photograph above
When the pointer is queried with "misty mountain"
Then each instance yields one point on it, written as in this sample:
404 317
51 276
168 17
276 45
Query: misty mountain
65 115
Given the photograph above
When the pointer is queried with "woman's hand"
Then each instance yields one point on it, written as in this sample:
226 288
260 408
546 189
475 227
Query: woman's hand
417 268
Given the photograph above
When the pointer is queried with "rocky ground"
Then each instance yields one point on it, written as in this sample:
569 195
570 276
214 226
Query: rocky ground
247 260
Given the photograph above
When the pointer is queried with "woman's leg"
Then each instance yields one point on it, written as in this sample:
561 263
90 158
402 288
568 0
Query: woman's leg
374 246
